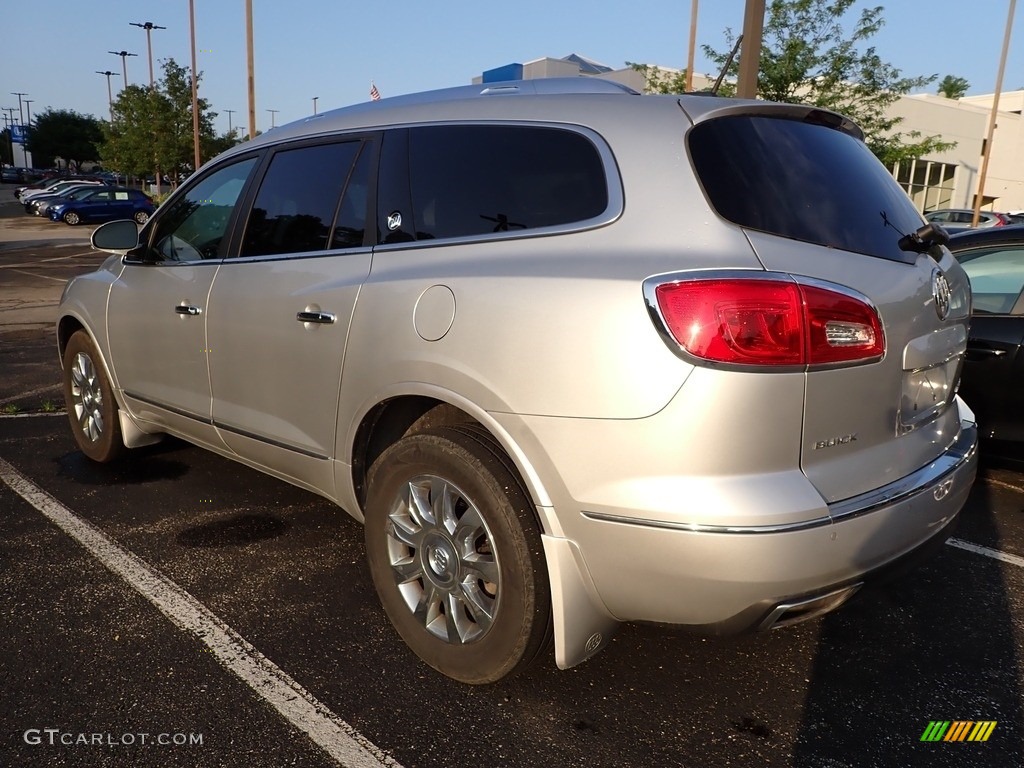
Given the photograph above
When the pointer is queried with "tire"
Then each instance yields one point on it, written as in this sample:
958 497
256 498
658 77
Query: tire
71 218
89 400
469 593
141 217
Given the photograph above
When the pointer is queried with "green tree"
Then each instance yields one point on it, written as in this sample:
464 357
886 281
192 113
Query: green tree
953 87
5 147
66 134
152 128
809 57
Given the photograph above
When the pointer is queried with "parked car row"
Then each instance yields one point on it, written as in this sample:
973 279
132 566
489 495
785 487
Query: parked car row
78 201
959 219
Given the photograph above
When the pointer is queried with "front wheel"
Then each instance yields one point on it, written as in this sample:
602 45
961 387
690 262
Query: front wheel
141 217
456 556
72 219
89 399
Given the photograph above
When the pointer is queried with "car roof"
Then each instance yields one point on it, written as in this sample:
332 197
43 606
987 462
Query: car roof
1011 234
578 100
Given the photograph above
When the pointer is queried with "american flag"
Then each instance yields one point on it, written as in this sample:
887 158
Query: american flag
374 93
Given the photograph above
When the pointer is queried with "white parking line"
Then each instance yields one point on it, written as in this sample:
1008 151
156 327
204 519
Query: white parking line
32 415
30 393
995 554
332 734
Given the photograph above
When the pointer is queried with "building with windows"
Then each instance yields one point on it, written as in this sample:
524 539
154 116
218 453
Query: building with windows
947 179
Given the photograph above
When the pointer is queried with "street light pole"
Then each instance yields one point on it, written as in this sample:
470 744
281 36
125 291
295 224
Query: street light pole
252 69
21 113
750 56
28 111
314 104
986 148
693 44
149 26
230 113
195 82
124 67
273 113
110 94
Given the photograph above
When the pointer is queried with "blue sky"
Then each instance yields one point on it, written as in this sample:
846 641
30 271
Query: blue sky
332 50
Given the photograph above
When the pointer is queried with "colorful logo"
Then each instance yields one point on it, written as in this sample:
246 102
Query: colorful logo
958 730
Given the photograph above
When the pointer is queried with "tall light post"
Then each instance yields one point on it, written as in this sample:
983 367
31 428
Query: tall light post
195 82
124 67
230 113
250 58
750 56
273 113
693 45
986 148
314 104
110 94
21 112
149 26
28 111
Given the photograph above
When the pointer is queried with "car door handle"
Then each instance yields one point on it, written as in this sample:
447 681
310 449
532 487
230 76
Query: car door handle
187 309
983 353
315 317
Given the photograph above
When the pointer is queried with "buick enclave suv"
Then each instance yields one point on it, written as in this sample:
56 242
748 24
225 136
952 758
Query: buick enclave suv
575 356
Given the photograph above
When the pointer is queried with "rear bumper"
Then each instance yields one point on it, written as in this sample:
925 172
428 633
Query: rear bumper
733 579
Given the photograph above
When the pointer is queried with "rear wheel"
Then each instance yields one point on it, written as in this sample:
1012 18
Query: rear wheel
141 217
456 556
71 218
89 399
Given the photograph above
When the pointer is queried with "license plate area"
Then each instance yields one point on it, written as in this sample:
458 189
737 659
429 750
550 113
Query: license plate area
927 392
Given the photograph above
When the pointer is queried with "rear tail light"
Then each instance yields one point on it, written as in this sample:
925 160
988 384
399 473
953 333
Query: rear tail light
765 322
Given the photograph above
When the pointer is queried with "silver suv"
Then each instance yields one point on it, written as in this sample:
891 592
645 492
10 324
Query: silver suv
576 356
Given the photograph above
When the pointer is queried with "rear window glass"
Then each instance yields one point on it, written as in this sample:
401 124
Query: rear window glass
474 179
803 181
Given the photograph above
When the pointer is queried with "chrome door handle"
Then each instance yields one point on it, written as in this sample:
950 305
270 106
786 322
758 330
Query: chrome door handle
182 309
315 317
983 353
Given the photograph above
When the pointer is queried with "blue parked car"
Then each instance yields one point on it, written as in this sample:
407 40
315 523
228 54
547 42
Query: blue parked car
105 204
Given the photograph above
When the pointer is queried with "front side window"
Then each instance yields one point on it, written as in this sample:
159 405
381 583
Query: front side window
195 225
473 180
295 207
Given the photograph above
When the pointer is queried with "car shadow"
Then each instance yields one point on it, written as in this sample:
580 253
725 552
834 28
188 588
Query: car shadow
937 644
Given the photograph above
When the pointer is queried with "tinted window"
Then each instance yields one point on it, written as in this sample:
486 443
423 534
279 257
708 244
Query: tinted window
804 181
350 227
476 180
298 197
997 277
195 224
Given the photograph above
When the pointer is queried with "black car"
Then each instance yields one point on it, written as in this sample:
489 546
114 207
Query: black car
993 377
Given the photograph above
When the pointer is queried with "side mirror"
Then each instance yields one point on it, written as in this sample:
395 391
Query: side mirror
116 237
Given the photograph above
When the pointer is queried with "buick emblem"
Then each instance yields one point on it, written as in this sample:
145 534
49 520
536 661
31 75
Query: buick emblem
941 293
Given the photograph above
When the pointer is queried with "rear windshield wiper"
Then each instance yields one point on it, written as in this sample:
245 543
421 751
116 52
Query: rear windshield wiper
921 240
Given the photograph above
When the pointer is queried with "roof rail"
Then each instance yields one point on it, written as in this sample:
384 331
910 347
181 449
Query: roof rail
556 85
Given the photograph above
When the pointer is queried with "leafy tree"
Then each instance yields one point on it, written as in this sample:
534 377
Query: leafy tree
808 57
66 134
152 128
953 87
5 147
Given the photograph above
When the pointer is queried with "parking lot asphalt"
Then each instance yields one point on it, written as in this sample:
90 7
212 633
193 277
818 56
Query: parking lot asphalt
177 594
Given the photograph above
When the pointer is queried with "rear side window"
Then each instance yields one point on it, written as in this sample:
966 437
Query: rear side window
298 198
472 180
804 181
